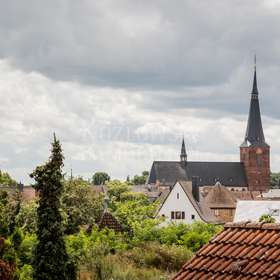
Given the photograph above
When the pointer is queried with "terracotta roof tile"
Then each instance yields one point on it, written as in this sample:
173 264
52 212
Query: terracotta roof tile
241 251
109 221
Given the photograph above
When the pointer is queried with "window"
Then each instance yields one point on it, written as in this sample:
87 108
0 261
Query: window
216 212
193 217
177 215
177 195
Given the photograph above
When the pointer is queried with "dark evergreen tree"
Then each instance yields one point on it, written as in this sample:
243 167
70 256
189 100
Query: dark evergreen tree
51 261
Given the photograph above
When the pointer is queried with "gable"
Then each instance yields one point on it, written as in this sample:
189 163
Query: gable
178 200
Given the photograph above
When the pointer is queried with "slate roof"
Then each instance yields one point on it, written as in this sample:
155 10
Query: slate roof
254 133
248 251
227 173
109 221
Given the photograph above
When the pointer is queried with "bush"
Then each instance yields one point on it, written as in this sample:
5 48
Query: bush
155 255
117 268
267 219
25 272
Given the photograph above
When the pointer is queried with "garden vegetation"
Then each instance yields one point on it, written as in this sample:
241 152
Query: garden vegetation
56 236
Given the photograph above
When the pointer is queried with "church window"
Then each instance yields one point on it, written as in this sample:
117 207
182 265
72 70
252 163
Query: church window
177 195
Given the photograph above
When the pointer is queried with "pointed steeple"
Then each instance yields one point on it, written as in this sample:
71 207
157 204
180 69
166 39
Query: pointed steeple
254 133
255 85
183 155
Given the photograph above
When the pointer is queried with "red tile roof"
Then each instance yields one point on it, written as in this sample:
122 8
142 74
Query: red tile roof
240 251
109 221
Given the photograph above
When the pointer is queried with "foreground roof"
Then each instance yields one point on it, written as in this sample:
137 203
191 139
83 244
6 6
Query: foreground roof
227 173
240 251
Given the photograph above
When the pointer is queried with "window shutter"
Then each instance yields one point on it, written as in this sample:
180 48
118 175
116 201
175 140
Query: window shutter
172 215
183 215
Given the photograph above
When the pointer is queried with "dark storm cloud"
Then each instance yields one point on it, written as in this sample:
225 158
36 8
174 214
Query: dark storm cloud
140 44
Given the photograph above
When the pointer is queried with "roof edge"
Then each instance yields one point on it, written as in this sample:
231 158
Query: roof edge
255 225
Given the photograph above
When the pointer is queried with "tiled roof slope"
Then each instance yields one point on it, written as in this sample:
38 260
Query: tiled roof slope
109 221
240 251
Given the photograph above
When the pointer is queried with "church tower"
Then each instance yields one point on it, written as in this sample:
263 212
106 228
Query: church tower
254 151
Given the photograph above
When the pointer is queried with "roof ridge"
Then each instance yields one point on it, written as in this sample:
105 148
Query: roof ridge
255 225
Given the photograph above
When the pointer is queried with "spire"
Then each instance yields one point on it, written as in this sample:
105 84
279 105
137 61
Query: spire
255 86
183 155
254 133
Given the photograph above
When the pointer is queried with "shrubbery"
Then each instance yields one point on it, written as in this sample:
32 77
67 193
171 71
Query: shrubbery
145 250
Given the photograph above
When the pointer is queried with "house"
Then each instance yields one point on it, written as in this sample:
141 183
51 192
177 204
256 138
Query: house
252 172
241 251
184 203
221 201
212 203
253 210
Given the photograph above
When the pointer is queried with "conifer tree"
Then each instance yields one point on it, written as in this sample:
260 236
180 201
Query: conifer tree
51 261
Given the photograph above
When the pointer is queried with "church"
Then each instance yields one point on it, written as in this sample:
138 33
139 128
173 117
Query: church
251 173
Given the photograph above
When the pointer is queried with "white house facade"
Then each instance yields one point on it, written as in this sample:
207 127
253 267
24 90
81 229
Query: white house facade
181 206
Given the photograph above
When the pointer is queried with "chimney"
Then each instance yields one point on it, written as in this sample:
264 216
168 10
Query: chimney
195 188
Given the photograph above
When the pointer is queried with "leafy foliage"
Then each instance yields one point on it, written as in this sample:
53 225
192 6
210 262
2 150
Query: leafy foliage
267 218
81 204
50 260
275 179
140 179
100 178
6 179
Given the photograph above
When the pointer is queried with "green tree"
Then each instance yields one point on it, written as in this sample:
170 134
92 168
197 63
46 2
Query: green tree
275 179
140 180
100 178
6 179
51 261
81 204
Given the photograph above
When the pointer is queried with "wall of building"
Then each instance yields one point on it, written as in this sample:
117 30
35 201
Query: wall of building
257 166
177 201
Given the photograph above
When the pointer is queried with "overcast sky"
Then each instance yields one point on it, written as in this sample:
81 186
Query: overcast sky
121 81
